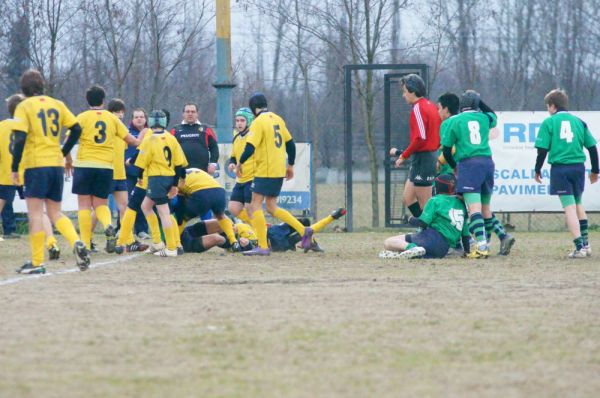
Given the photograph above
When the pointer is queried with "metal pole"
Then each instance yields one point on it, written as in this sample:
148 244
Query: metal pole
224 84
348 143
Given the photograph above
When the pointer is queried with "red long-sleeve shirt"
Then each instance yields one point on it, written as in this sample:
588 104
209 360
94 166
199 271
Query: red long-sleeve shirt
424 126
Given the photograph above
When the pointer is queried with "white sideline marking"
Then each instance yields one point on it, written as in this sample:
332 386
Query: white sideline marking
18 279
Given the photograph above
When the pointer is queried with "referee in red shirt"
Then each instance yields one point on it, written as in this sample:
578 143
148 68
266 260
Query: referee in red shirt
424 142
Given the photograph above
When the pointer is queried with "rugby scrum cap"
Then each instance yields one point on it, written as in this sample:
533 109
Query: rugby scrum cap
469 100
257 101
157 118
445 184
246 113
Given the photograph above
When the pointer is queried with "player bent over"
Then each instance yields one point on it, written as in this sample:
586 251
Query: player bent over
562 137
442 222
198 194
469 134
269 142
241 195
162 159
39 122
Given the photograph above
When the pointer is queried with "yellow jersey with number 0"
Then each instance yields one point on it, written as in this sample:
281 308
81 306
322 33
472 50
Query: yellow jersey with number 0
160 154
42 118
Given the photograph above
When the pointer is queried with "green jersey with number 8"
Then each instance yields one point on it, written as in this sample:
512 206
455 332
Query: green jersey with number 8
470 132
564 136
447 215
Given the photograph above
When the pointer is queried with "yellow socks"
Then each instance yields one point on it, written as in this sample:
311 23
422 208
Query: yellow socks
260 226
244 216
176 234
322 223
290 220
37 248
170 237
227 227
51 242
104 216
154 227
126 232
85 226
66 229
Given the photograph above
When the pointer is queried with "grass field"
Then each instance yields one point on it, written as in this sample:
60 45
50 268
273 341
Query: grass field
343 323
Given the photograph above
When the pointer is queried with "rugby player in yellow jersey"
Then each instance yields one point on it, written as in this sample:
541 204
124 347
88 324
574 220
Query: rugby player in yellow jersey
162 160
198 194
40 120
241 195
93 173
269 141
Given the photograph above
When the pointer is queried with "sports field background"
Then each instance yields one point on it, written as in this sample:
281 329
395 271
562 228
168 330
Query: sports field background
343 323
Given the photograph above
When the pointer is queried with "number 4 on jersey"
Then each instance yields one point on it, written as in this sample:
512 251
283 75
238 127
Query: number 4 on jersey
565 131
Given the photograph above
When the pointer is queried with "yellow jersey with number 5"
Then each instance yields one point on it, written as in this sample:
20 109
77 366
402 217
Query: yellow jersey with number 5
100 130
42 118
268 134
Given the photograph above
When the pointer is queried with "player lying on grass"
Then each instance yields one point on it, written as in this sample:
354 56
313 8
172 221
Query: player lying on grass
442 222
562 137
204 235
162 159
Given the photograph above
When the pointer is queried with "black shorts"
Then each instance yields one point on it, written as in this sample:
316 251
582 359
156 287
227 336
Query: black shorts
7 193
135 199
119 186
92 181
432 241
158 189
476 175
200 202
267 186
44 183
567 179
422 168
242 192
191 243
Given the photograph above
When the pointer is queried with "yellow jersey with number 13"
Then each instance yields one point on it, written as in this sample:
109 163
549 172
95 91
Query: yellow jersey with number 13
268 135
42 118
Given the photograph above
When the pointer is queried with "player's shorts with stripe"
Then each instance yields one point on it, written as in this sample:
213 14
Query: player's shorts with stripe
44 183
200 202
476 175
267 186
7 193
135 199
242 192
119 186
158 189
422 168
92 181
567 179
431 240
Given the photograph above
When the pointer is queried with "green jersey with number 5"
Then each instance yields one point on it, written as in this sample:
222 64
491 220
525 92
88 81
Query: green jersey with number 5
470 132
564 136
447 215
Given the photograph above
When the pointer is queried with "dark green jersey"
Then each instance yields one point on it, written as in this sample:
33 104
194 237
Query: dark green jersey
564 136
445 168
469 133
447 215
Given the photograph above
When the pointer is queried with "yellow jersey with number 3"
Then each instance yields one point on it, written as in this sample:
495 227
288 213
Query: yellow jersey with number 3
160 154
42 118
6 152
100 130
268 134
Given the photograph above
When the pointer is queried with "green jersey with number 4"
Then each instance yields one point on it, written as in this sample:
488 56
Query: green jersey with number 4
447 215
564 136
469 133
